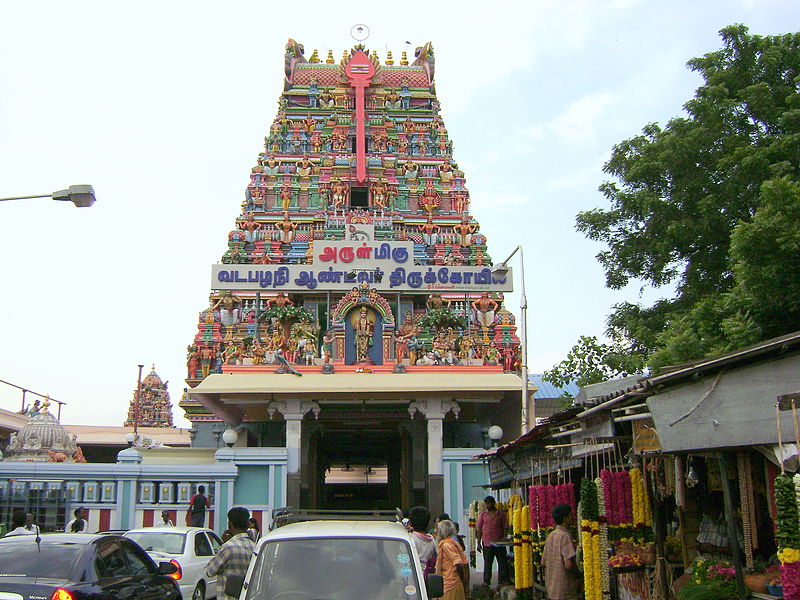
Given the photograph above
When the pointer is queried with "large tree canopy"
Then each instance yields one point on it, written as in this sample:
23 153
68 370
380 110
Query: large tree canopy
711 204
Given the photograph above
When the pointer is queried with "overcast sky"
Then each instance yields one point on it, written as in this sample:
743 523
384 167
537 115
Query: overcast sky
163 106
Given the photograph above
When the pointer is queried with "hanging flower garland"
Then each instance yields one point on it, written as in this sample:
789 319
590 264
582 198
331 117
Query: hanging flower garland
642 513
788 525
605 579
590 538
515 514
475 509
526 555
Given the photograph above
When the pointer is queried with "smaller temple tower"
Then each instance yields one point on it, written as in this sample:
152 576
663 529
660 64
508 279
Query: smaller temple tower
155 408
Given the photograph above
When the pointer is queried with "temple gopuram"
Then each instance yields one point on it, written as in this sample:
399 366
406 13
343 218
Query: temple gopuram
354 319
154 406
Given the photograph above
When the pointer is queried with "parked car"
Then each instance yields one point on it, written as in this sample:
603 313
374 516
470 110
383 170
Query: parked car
336 560
189 549
78 566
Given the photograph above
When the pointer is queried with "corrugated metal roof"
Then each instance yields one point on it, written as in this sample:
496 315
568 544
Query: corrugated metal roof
548 390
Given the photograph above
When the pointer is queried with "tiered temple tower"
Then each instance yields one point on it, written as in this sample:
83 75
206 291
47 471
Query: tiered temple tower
155 407
355 252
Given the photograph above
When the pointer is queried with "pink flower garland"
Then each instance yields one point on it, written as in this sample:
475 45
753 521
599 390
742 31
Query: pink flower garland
544 498
790 578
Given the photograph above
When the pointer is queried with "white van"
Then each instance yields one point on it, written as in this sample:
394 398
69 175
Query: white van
336 560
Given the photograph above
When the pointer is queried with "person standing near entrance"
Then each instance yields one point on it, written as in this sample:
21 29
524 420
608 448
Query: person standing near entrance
80 515
490 529
451 562
558 558
197 507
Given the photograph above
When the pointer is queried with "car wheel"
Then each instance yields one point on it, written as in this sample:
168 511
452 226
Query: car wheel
199 592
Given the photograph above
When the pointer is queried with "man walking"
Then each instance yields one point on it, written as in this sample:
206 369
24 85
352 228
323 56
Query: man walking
233 557
197 507
558 558
490 529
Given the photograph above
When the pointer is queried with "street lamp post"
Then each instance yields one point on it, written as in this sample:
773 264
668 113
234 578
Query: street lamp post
81 196
500 270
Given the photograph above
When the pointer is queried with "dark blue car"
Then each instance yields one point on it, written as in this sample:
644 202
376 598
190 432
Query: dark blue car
77 566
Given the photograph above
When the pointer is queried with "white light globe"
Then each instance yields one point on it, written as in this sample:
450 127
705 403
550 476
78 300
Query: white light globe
495 432
229 436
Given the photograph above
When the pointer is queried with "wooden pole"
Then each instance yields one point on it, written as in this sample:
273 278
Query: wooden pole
730 520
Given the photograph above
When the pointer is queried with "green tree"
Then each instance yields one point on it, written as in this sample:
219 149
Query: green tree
709 203
590 361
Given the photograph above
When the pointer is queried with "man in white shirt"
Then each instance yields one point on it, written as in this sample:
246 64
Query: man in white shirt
80 513
18 523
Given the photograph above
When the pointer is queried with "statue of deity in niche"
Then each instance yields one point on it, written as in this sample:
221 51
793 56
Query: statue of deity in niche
363 329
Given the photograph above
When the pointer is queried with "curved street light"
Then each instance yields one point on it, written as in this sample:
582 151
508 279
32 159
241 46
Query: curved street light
81 196
499 271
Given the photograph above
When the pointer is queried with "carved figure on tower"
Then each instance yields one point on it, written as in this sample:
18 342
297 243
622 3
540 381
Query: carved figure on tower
485 308
465 229
364 328
430 232
249 225
286 228
228 304
429 199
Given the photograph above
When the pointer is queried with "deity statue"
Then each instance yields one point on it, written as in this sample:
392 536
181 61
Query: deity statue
364 327
380 195
413 345
465 347
399 347
339 191
339 140
445 172
258 352
191 361
459 202
508 353
303 167
327 346
310 123
316 142
272 167
430 232
490 357
249 225
278 301
326 100
207 355
228 305
484 310
230 353
286 198
286 228
410 169
435 301
309 352
465 229
429 199
408 126
392 100
380 141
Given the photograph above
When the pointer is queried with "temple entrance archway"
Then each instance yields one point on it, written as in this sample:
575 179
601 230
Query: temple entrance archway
360 469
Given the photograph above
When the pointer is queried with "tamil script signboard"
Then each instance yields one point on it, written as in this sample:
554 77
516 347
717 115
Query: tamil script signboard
338 277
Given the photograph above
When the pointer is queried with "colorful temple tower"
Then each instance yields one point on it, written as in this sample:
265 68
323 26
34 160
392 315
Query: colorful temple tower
354 318
154 406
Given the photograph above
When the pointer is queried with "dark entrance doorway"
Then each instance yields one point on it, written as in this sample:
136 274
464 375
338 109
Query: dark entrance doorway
359 469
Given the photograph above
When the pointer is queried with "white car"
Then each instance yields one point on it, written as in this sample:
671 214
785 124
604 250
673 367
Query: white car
336 560
189 549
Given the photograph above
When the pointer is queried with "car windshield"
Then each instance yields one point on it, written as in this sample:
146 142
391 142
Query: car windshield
159 541
334 569
26 558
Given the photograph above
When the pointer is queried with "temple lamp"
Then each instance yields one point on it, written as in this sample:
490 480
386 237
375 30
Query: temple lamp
229 436
81 196
495 433
499 271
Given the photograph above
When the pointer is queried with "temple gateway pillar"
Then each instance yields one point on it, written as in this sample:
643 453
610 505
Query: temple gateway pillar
434 410
293 411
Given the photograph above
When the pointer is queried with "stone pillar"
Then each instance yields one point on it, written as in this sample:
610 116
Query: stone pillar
293 411
434 410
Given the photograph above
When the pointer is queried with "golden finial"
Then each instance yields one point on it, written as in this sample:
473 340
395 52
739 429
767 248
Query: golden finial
330 59
314 57
345 56
389 59
374 55
404 59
